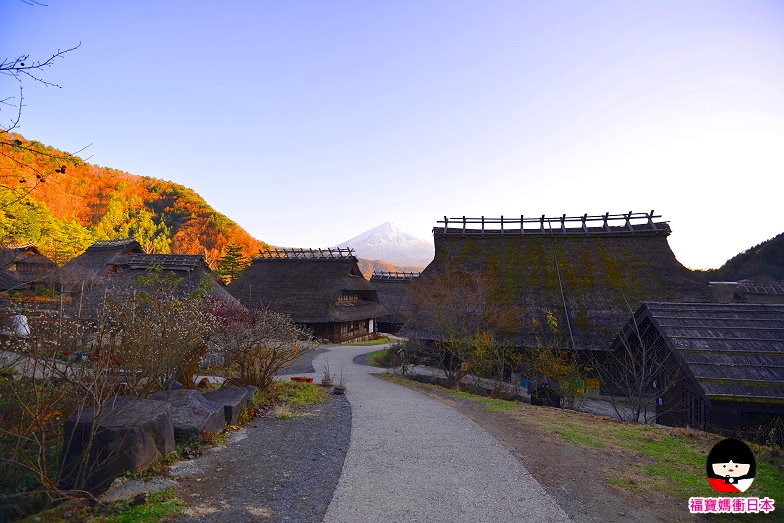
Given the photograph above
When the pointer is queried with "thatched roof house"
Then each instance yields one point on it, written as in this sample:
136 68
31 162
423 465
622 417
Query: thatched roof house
112 269
587 273
730 358
23 267
323 289
392 290
94 264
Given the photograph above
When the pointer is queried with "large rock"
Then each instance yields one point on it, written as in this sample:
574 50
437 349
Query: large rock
125 434
192 414
233 399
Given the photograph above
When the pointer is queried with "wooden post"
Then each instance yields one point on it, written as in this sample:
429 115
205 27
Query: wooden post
502 224
628 221
563 224
605 225
650 221
464 225
483 224
522 226
585 217
541 224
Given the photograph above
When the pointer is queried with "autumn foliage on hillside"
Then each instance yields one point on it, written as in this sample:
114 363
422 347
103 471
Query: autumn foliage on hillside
62 204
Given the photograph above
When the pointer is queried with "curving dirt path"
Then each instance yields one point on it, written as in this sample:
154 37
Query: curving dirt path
412 458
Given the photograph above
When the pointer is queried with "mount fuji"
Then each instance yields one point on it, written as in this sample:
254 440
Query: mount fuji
389 243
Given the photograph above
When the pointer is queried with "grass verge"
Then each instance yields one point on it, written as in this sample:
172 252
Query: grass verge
298 394
659 460
379 341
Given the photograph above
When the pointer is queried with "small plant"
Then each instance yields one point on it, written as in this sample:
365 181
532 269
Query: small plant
340 385
326 376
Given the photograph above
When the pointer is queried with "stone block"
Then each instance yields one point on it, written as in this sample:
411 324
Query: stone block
125 434
233 400
192 414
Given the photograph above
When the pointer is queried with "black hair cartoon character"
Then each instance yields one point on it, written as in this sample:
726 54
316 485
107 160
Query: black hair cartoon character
731 466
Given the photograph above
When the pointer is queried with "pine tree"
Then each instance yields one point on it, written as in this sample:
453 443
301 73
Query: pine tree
232 264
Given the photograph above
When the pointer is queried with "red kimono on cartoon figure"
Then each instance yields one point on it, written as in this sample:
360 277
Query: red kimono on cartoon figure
731 466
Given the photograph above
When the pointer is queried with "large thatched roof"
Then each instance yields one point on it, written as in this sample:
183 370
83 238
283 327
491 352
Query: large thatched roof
24 265
308 286
589 277
731 351
113 269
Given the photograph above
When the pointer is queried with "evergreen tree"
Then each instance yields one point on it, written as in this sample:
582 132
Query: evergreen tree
232 264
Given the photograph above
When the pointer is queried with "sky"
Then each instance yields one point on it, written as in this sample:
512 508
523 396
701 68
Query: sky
310 122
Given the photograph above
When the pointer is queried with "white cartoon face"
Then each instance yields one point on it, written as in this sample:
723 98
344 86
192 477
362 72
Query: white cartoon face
731 469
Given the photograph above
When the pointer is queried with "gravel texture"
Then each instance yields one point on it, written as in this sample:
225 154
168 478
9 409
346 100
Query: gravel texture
275 469
413 458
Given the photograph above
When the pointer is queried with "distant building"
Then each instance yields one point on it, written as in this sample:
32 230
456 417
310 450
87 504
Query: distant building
588 273
23 267
728 367
392 290
747 292
321 289
112 269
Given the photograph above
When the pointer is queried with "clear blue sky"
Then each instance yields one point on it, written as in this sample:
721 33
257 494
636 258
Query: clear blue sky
310 122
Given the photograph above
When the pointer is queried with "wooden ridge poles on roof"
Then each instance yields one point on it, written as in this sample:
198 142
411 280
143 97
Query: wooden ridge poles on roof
308 254
393 275
554 224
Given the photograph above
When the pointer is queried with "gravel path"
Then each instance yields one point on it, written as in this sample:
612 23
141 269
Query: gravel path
276 470
413 458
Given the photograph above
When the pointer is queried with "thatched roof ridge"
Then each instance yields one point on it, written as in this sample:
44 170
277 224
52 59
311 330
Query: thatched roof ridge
307 289
112 244
730 350
175 262
393 275
588 280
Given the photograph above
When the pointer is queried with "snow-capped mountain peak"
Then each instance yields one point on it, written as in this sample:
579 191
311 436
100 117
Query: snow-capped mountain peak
389 243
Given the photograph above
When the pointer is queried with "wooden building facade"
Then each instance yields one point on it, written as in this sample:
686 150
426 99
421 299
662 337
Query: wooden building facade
322 289
727 373
23 267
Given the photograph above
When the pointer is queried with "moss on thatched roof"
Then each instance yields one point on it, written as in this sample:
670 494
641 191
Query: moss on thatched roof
589 279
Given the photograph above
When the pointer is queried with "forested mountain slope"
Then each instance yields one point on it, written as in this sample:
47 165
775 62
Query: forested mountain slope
62 204
762 263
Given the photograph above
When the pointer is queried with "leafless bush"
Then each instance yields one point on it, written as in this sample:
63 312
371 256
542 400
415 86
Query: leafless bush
258 348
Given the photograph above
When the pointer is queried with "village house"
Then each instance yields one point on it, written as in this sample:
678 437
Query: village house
24 268
322 289
392 290
567 282
727 369
113 268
